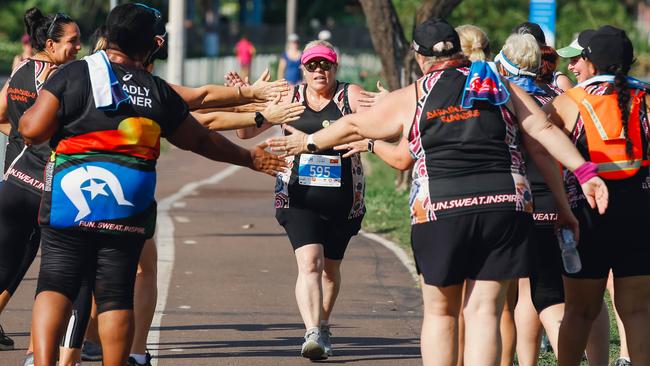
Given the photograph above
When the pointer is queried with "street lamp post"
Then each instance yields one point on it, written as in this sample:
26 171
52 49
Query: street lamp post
176 41
292 7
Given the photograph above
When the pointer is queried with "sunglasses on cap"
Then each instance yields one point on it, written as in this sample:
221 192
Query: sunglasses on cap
57 16
156 14
325 65
155 11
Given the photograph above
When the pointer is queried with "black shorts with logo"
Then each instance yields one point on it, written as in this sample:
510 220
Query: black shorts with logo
480 246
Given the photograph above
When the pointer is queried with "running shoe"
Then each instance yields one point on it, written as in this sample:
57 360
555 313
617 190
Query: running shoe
325 337
6 343
313 348
91 351
29 359
132 362
623 362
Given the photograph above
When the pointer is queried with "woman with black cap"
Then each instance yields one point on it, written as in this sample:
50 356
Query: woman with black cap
470 202
106 133
607 119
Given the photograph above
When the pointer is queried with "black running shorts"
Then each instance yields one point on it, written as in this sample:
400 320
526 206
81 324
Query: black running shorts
616 240
479 246
108 261
546 286
308 227
20 234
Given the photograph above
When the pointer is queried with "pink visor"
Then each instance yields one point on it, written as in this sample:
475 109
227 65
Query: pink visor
318 52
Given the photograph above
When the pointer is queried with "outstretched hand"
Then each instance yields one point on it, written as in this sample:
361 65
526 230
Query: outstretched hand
265 162
353 147
293 144
595 190
263 89
233 79
282 113
371 98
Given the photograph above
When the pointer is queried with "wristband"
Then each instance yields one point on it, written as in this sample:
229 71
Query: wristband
586 171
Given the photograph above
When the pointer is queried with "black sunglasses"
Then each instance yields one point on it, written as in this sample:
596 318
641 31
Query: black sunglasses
325 65
155 11
57 16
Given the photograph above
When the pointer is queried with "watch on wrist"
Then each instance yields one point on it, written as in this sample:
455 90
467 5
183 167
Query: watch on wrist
311 146
371 146
259 119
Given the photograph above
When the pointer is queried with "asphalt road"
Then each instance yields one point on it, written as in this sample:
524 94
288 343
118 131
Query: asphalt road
226 279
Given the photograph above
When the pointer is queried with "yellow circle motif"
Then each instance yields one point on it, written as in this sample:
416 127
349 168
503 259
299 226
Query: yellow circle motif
326 123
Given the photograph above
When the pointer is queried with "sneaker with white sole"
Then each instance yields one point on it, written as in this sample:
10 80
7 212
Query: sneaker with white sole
147 362
6 343
326 339
312 347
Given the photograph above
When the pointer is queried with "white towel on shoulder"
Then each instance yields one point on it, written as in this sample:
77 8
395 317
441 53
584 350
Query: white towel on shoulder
106 88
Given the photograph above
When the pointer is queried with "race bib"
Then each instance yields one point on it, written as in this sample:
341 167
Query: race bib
319 170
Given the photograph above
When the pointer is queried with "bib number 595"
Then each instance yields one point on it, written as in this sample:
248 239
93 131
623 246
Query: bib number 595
319 171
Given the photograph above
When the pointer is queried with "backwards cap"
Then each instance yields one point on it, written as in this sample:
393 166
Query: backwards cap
432 32
609 46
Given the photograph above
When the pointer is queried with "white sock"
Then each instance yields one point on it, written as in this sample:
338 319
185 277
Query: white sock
625 358
139 358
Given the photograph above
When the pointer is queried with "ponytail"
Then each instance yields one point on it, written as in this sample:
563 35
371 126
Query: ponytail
621 87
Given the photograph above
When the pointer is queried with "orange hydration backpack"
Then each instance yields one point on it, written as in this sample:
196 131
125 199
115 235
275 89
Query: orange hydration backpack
604 130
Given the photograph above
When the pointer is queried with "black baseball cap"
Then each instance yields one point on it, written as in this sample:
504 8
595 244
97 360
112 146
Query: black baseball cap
609 46
533 29
432 32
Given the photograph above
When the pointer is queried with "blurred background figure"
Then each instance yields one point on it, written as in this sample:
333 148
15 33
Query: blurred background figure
324 35
289 64
244 51
27 51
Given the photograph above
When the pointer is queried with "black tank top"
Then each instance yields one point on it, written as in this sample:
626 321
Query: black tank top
343 202
24 86
545 211
466 160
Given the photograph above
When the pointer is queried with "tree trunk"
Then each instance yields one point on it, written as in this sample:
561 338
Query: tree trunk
387 34
387 38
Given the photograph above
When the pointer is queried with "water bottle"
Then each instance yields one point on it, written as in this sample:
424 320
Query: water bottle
570 256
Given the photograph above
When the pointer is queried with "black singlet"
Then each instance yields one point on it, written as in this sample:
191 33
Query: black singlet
345 201
466 160
25 84
545 212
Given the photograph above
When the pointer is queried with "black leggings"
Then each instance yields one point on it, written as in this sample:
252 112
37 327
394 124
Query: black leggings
20 234
108 262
